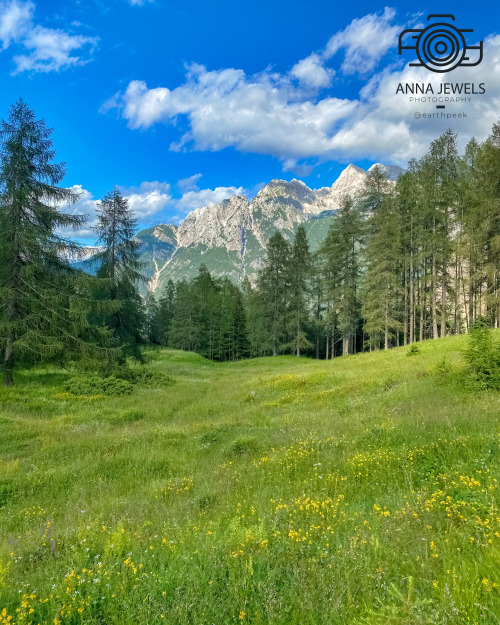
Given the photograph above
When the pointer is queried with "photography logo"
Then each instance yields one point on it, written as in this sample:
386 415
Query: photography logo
441 46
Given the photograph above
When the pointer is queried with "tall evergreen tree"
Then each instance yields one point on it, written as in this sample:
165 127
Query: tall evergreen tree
43 309
438 174
341 251
300 276
233 341
119 268
152 323
185 328
273 287
489 185
166 310
260 343
382 286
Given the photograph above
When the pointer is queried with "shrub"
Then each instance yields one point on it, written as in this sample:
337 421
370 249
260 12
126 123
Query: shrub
443 369
483 356
413 350
145 378
97 385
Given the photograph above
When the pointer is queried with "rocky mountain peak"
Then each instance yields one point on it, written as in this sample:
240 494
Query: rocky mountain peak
231 237
392 171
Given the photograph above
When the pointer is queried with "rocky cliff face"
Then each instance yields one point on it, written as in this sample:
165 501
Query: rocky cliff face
230 238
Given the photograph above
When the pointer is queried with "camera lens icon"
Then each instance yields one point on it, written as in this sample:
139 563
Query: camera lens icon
441 47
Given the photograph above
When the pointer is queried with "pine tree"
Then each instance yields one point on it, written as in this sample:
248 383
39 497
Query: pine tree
185 328
233 342
489 188
300 275
118 267
273 287
382 288
341 252
166 311
207 313
318 302
438 174
258 335
406 200
43 304
152 322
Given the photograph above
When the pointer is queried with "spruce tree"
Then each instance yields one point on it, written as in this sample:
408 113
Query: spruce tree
259 337
233 342
273 287
185 329
300 276
341 251
153 327
166 310
119 270
43 308
382 287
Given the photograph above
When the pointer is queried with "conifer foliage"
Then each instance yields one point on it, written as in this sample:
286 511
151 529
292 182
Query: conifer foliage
401 262
119 270
43 310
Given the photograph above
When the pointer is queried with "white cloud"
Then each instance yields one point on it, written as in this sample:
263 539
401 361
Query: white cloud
265 114
148 199
86 205
189 184
311 73
44 49
15 21
384 126
193 197
203 197
364 41
270 114
151 202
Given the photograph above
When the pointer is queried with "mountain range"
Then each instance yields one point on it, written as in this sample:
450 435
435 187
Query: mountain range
230 238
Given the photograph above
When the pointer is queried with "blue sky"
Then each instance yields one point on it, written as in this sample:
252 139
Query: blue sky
181 104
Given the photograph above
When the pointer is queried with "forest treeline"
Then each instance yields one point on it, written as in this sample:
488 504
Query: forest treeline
401 262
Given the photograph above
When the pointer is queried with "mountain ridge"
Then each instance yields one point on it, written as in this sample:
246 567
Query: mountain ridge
230 237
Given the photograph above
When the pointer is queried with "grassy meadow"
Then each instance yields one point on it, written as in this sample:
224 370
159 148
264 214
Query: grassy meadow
277 491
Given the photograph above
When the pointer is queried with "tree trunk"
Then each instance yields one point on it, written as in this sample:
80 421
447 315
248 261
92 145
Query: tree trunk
345 345
421 300
405 308
8 363
443 306
412 293
433 300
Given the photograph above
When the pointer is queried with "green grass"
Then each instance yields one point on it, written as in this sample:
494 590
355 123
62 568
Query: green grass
271 491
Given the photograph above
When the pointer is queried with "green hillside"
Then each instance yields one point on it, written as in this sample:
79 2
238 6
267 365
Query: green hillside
270 491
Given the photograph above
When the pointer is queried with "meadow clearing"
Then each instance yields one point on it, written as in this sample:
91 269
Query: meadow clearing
285 491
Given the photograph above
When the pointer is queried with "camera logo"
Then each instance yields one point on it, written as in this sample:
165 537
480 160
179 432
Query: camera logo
441 46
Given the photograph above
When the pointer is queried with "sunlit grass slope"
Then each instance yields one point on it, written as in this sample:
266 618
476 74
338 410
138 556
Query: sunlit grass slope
272 491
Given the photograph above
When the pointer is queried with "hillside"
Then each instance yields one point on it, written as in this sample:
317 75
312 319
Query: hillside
285 490
230 238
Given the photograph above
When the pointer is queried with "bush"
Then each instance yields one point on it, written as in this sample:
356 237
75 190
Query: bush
443 370
483 356
413 350
97 385
143 377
